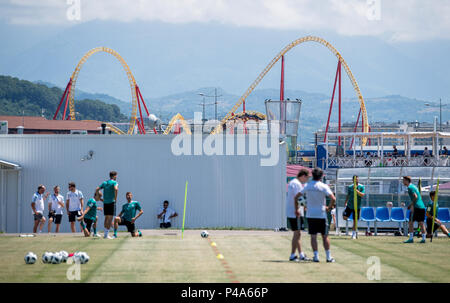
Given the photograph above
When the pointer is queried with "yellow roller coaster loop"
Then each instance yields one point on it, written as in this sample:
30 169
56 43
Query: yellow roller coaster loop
278 57
131 80
178 117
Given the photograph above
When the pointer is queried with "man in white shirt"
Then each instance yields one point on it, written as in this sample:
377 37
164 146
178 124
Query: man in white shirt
55 209
165 214
293 213
37 206
74 204
316 193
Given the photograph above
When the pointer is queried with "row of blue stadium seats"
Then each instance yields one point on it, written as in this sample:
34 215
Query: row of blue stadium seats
396 214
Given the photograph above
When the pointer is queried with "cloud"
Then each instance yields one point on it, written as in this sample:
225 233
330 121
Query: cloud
396 20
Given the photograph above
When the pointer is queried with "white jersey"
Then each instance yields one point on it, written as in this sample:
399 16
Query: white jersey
53 202
295 186
38 201
165 217
316 193
74 200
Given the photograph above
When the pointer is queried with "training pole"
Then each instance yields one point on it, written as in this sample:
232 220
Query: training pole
184 211
355 203
434 209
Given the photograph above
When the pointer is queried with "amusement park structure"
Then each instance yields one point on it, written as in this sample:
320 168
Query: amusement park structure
68 97
136 96
280 55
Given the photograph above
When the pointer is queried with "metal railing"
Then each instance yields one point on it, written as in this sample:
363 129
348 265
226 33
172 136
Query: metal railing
387 161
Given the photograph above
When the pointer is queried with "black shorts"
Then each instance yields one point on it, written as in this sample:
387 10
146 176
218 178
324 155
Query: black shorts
317 226
109 209
165 225
89 223
418 215
73 215
348 211
56 218
436 226
294 223
38 216
130 226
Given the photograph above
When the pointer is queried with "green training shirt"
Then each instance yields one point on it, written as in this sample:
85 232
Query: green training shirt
92 213
430 208
350 193
412 189
129 210
108 191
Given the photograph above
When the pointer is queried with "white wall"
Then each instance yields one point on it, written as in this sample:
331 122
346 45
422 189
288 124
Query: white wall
223 190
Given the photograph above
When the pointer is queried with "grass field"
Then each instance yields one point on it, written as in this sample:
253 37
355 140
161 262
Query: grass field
249 256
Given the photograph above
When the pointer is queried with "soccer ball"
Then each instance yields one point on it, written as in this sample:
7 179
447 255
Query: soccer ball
204 234
56 258
64 255
30 258
47 257
83 257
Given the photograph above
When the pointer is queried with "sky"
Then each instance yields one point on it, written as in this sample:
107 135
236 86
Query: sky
392 20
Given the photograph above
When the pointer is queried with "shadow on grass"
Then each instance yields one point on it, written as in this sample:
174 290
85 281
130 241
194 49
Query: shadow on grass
285 261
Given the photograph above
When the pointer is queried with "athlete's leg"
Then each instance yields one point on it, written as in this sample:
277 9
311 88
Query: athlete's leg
50 221
57 228
42 224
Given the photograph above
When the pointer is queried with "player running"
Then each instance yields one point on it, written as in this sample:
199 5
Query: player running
417 210
128 216
37 205
293 214
110 190
55 209
90 214
437 223
350 204
74 204
316 193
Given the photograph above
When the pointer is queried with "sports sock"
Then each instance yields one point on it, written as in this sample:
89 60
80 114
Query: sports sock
411 236
82 224
424 236
115 232
140 234
316 254
106 233
353 233
292 256
302 255
448 235
328 253
95 230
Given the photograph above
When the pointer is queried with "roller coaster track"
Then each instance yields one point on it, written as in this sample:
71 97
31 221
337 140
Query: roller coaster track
293 44
177 117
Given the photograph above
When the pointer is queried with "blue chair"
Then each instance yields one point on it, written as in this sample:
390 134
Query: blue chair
367 215
408 215
397 215
444 215
381 215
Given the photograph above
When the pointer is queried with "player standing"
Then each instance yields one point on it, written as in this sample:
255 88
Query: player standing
437 222
417 210
293 214
350 203
90 214
55 209
37 205
316 193
128 216
74 204
110 190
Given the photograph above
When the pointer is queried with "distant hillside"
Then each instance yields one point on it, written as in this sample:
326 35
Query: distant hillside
125 107
19 97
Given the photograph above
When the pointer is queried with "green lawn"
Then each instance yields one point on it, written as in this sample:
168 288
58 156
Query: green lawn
249 256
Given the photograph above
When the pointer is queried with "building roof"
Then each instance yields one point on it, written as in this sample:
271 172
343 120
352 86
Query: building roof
29 122
8 165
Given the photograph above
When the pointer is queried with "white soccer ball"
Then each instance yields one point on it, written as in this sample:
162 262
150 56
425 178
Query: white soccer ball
64 255
56 258
204 234
83 257
47 257
30 258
